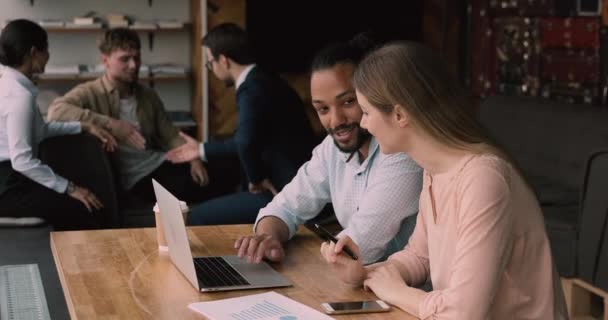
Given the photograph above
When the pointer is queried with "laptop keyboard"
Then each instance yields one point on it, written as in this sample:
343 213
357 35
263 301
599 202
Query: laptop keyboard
216 272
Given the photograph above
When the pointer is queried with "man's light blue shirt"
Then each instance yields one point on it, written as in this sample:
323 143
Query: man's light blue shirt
370 198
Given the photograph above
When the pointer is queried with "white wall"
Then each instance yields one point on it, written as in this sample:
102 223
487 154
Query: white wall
80 48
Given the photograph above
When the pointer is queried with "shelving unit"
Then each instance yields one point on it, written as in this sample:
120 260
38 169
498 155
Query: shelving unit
181 93
151 80
187 27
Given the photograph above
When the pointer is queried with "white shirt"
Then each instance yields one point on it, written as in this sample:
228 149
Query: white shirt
22 129
135 164
241 78
371 199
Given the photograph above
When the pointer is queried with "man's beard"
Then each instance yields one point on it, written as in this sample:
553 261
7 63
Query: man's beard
361 137
130 80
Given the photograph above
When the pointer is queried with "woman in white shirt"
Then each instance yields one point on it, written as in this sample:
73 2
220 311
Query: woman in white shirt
28 187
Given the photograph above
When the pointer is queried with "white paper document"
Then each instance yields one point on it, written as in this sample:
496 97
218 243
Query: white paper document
264 306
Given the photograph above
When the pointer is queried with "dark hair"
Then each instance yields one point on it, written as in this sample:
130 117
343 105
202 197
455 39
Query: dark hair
18 38
230 40
119 38
351 52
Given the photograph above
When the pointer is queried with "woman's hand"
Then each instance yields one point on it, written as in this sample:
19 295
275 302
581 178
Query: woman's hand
386 282
107 140
348 270
88 198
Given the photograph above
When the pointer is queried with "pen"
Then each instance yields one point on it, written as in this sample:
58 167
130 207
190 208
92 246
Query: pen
330 237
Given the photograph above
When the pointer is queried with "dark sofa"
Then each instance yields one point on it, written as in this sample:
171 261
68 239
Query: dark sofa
81 158
551 143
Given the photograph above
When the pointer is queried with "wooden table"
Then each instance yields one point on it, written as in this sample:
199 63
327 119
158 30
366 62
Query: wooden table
119 274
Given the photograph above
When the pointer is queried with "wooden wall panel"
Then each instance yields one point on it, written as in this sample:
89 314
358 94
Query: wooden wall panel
301 83
442 23
222 101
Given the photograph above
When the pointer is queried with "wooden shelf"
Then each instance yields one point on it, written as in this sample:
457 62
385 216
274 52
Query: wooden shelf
75 78
193 29
187 26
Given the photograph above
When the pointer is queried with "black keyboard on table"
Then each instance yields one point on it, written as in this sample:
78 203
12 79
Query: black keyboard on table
216 272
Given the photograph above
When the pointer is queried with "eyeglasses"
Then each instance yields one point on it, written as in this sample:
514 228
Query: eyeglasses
209 64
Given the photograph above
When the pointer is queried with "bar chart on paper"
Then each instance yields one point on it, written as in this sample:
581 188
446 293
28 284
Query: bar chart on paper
263 310
265 306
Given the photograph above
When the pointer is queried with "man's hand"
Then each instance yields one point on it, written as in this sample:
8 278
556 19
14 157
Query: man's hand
127 133
199 173
256 247
186 152
263 186
107 140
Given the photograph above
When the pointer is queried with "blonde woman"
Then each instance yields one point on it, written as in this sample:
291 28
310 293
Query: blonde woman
480 235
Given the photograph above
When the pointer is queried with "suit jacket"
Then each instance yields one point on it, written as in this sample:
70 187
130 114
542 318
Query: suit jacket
273 136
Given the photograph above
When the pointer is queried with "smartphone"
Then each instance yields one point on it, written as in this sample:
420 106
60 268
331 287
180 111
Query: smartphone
355 307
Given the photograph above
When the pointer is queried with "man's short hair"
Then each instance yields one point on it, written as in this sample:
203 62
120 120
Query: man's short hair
119 38
230 40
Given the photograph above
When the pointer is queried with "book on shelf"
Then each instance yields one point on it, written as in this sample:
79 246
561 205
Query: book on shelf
71 25
116 20
97 70
144 25
168 69
170 24
91 71
86 21
51 23
87 18
118 24
60 71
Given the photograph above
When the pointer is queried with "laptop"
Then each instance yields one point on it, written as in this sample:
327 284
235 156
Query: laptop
220 273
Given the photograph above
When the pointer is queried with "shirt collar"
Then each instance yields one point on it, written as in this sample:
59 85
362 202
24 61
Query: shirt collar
107 83
243 75
111 87
372 150
10 73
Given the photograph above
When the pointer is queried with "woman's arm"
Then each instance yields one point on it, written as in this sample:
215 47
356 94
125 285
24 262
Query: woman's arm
22 122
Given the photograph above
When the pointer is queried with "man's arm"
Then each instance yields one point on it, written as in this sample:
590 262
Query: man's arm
303 198
267 242
274 227
74 106
300 200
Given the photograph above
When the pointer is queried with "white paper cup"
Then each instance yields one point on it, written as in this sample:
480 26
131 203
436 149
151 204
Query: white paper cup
160 230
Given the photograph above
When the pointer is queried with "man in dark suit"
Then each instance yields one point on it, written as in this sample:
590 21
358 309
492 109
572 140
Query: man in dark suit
273 137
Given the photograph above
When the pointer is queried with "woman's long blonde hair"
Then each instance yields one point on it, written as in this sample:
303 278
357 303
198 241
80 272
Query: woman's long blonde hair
410 75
